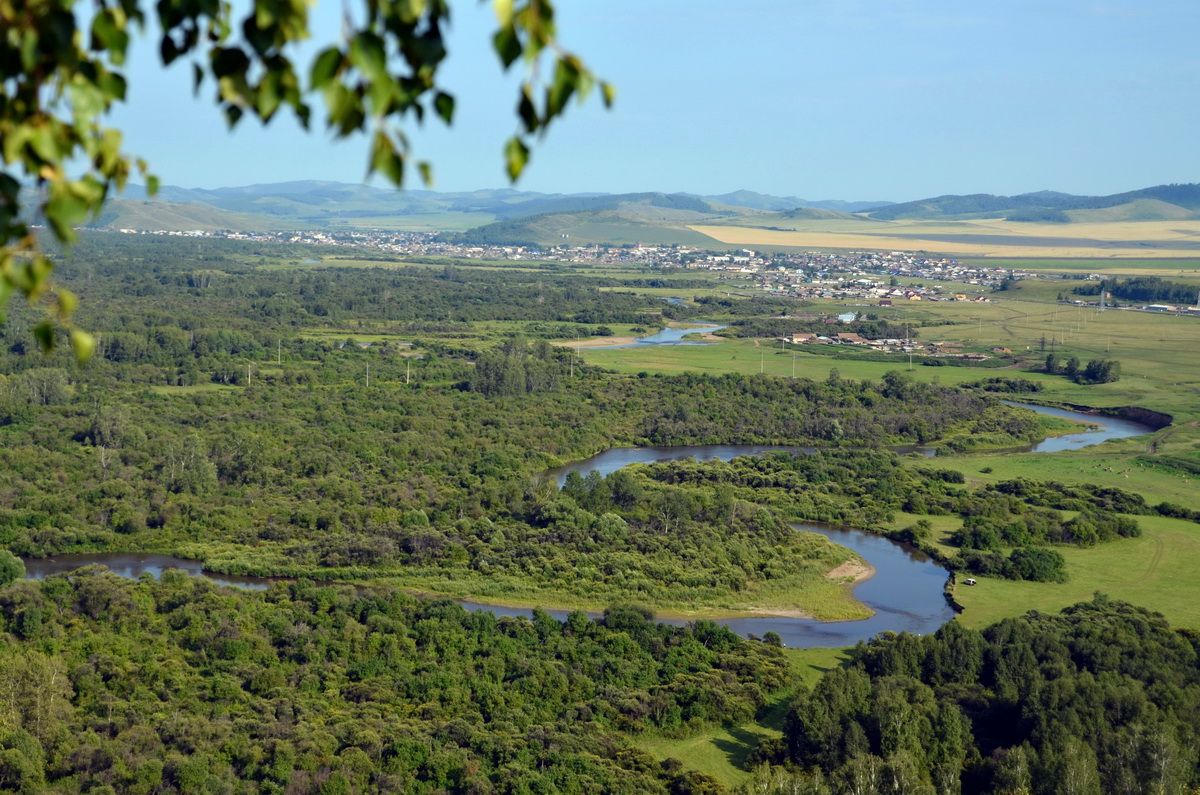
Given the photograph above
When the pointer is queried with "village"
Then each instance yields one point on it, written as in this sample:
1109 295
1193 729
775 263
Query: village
872 276
948 350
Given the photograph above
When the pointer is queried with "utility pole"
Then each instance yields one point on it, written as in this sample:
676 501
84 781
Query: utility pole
908 343
368 375
407 369
248 381
279 353
793 366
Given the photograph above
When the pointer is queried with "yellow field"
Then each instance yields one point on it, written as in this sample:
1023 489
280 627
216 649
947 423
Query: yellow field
981 238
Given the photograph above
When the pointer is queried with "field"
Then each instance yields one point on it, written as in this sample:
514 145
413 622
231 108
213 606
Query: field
1140 240
721 751
1160 371
1156 571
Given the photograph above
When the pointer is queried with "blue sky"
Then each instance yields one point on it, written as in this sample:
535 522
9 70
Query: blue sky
847 99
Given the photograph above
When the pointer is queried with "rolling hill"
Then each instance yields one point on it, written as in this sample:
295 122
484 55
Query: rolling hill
1159 203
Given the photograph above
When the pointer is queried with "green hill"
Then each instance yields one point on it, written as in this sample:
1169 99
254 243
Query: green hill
651 218
1136 210
1161 202
160 216
799 218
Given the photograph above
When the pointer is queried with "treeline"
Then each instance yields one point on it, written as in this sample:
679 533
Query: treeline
179 686
1005 384
1096 371
1143 289
786 327
1104 697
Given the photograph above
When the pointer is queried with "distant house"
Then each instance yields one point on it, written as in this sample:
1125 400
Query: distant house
849 338
885 302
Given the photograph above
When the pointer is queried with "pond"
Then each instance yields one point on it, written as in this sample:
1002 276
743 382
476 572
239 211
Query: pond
668 336
1107 428
133 565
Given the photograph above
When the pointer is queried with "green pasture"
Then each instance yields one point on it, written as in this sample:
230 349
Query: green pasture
1156 571
721 751
748 356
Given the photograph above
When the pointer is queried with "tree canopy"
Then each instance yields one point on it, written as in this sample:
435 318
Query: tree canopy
61 72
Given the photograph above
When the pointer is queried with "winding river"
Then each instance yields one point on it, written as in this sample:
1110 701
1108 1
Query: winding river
905 593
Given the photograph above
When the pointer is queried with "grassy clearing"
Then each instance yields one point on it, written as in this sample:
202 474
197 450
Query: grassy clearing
809 594
748 356
721 752
1156 571
194 389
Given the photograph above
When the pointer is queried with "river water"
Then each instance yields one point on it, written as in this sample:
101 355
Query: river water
668 336
1108 428
906 592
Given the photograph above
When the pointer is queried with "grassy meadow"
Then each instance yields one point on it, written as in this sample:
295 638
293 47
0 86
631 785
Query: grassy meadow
721 751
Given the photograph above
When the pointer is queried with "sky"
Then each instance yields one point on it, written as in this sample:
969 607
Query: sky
818 99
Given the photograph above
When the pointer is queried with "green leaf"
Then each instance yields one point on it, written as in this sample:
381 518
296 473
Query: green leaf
527 110
325 68
516 155
504 12
83 344
229 62
269 96
66 302
386 160
609 93
507 45
368 55
444 104
565 76
426 173
44 332
109 34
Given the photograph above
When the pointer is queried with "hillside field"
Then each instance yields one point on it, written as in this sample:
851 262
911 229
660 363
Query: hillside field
979 238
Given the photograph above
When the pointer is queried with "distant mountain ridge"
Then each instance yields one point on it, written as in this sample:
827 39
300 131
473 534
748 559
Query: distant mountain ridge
508 216
1045 205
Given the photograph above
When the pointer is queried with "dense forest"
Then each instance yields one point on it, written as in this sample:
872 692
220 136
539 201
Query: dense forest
109 685
176 685
1102 698
393 428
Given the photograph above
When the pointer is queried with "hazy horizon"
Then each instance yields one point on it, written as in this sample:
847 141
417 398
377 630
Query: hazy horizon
888 101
